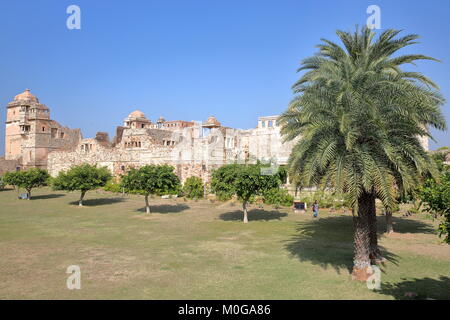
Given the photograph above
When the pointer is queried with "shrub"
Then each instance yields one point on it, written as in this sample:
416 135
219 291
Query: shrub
113 186
2 183
279 197
193 188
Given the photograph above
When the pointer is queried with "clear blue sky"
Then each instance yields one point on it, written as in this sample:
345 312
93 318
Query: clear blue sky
187 59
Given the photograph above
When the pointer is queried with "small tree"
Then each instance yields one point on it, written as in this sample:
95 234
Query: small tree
246 181
436 198
193 188
151 179
27 179
84 177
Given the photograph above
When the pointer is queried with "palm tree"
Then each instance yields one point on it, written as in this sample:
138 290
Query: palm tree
360 116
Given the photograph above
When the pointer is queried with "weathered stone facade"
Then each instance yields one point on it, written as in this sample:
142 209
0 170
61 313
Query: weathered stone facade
191 147
31 135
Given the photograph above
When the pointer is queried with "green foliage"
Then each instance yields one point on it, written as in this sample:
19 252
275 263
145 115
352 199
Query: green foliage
278 197
113 186
12 178
244 181
439 158
360 115
2 183
151 179
193 188
84 177
27 179
435 195
222 181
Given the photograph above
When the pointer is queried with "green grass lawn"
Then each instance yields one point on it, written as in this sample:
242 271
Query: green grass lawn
201 250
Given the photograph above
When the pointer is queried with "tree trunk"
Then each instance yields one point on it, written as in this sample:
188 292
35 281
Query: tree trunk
80 202
244 206
361 260
375 253
389 225
147 206
29 194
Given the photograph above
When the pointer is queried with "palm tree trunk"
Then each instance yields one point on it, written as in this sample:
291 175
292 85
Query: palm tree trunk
244 207
389 225
361 260
147 206
375 253
29 194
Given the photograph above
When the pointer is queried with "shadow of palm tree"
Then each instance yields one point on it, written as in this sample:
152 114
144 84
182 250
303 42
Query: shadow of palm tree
418 289
47 196
253 215
166 208
99 201
327 242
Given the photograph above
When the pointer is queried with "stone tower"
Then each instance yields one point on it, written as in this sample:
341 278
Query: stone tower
30 133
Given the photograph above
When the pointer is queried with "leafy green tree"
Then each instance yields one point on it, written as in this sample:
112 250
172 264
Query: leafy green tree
245 181
83 178
193 188
359 116
151 179
222 181
27 179
435 195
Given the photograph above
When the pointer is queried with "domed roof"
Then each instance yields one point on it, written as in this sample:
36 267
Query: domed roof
212 122
136 114
26 96
161 119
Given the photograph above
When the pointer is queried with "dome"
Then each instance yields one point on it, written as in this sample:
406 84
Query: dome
212 122
161 119
26 96
136 114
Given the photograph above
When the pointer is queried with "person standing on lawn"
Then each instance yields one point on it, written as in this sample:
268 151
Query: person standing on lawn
315 209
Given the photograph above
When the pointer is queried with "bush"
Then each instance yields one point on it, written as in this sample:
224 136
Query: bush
2 183
193 188
279 197
113 186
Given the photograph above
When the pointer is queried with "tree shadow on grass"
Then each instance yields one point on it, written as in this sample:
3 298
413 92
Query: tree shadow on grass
405 225
253 215
328 242
418 289
99 201
47 196
166 208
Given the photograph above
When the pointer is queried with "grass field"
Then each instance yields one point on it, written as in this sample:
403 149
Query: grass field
200 250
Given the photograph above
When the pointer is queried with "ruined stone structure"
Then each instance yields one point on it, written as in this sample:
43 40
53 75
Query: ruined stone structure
30 134
191 147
